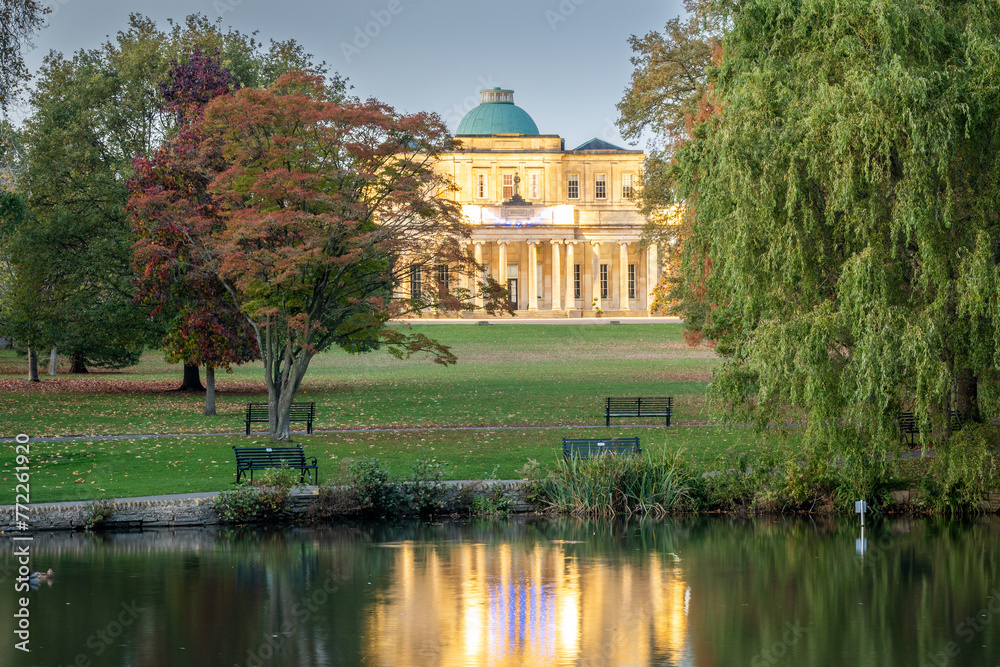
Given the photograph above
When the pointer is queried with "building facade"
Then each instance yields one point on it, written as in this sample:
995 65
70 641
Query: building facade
559 227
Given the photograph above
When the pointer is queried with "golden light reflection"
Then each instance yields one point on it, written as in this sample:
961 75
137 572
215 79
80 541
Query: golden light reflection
527 606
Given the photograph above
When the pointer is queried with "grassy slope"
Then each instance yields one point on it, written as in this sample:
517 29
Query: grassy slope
508 375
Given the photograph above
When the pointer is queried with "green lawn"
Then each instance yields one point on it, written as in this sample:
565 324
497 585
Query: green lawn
82 470
507 375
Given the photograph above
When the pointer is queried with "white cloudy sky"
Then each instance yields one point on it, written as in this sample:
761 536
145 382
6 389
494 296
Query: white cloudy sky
567 60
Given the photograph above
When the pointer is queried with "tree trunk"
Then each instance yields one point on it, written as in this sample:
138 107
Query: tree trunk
192 379
52 361
967 395
283 373
209 391
32 365
79 363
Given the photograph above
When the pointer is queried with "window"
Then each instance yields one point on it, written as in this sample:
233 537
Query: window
604 281
601 186
482 186
573 188
631 281
415 280
508 186
539 277
576 281
534 186
442 271
627 187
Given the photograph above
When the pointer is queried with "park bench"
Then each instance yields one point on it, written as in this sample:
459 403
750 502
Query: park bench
299 412
638 407
909 427
588 448
292 457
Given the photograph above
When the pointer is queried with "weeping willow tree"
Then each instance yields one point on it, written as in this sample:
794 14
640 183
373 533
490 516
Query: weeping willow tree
844 210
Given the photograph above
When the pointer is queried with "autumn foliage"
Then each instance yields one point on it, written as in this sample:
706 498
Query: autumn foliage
308 214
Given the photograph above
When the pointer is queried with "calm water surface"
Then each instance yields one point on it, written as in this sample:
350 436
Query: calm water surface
525 592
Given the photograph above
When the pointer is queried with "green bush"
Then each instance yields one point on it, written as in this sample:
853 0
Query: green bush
97 514
424 491
263 500
373 489
965 471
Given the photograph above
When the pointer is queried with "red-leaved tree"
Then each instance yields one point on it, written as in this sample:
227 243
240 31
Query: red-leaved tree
322 212
170 207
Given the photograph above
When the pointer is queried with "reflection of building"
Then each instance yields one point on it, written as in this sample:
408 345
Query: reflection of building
558 227
469 604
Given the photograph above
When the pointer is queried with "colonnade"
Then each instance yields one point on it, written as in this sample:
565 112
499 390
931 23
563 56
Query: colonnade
584 275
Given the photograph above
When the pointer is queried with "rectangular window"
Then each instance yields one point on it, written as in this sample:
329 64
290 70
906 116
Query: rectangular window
631 281
604 281
573 188
576 282
601 186
415 282
534 186
538 280
628 190
442 271
482 186
508 186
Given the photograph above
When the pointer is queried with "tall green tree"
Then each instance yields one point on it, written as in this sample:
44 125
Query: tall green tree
19 19
93 113
846 198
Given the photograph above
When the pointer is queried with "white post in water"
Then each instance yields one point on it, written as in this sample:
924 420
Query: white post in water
860 507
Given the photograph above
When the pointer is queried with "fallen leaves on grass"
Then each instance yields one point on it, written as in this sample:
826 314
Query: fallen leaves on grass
68 385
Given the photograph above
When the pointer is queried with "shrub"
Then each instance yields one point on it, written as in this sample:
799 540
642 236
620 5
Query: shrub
965 472
263 500
424 490
373 489
97 514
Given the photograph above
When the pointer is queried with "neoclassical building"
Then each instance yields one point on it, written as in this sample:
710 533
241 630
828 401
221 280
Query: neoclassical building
558 227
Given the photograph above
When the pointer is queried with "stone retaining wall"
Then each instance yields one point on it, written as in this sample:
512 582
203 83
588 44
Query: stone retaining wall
200 511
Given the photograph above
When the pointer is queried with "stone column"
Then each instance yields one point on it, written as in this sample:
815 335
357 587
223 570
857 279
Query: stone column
596 275
623 275
556 289
532 275
502 269
474 276
652 274
570 281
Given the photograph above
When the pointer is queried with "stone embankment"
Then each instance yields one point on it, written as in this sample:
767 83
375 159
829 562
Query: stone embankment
199 509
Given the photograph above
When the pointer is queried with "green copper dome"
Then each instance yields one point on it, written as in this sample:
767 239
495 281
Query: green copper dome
497 114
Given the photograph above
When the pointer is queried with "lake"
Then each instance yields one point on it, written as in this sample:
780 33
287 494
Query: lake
525 592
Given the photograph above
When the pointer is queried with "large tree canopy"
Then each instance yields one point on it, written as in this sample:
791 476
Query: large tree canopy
846 199
92 114
313 214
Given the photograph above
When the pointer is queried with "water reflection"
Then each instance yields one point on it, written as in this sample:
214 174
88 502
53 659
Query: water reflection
527 603
525 592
